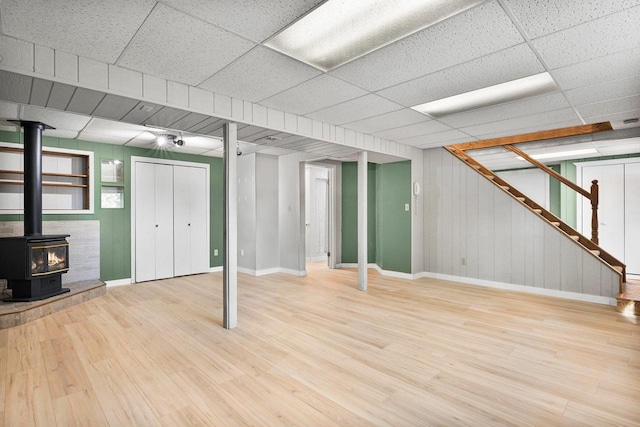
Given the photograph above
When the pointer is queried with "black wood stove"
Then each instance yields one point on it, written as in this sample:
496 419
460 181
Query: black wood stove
33 264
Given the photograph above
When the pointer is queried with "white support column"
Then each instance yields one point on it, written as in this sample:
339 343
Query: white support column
230 227
362 220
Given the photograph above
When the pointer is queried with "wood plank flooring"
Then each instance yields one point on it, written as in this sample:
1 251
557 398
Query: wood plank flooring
315 351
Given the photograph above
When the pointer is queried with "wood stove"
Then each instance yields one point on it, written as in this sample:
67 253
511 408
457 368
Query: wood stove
33 264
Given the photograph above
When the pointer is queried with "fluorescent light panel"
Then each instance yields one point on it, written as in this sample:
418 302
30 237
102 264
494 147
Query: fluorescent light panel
560 154
339 31
515 90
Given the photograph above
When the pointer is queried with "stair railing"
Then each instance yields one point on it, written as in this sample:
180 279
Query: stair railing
591 195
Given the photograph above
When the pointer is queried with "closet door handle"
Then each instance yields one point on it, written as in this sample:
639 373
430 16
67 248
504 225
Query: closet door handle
189 225
156 225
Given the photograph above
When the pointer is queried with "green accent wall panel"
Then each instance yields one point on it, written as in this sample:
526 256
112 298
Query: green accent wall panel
393 192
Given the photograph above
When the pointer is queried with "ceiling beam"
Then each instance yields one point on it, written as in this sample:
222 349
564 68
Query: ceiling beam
535 136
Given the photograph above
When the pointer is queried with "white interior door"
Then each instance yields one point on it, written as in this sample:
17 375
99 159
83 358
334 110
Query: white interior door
145 236
190 221
632 217
164 221
611 210
316 212
154 221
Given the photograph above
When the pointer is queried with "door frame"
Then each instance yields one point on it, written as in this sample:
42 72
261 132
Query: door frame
137 159
334 209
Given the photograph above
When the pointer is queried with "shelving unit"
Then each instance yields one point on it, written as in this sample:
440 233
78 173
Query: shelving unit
66 179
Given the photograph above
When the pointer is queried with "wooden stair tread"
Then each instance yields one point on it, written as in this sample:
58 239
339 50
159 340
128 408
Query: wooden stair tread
538 211
475 167
595 252
557 224
505 187
489 176
522 199
617 268
576 238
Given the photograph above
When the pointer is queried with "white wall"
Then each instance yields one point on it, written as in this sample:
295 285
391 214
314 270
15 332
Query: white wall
534 183
247 212
267 235
475 230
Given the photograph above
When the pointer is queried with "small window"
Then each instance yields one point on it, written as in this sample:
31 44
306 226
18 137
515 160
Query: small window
112 171
112 197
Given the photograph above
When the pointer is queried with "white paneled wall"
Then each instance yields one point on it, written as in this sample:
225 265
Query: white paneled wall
475 230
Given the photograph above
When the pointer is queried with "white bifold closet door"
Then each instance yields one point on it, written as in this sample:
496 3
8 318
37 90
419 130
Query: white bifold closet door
190 221
154 221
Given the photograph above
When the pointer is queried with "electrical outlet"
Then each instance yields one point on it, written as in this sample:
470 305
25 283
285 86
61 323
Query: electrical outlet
241 252
406 207
215 252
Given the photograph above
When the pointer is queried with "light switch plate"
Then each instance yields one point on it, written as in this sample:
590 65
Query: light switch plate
406 207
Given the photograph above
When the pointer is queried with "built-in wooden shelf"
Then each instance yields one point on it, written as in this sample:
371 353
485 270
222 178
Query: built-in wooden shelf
73 174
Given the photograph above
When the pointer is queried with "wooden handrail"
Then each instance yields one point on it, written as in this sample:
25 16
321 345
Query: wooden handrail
550 171
591 195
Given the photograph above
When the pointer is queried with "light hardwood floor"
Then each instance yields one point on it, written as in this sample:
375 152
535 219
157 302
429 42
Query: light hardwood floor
315 351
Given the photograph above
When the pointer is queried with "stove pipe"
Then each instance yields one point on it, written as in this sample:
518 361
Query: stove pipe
33 176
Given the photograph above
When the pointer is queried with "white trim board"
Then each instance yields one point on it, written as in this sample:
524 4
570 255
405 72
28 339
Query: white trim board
118 282
520 288
274 270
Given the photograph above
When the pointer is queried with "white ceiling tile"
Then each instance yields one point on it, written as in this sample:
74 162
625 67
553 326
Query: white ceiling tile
264 73
16 53
168 42
95 28
141 112
275 151
542 120
605 91
255 20
541 17
189 121
386 121
60 96
61 133
57 119
617 119
166 116
508 64
312 95
114 107
15 87
417 129
611 67
355 109
111 132
526 107
439 138
9 110
601 37
501 131
459 39
84 101
40 92
612 106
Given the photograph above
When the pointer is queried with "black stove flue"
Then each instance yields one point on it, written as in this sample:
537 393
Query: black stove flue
33 264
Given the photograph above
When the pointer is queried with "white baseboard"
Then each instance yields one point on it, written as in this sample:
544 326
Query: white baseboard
521 288
376 267
119 282
274 270
215 269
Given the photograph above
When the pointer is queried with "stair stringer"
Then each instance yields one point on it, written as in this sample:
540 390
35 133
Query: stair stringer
475 229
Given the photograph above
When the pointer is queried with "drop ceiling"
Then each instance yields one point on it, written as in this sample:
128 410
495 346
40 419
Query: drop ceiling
591 49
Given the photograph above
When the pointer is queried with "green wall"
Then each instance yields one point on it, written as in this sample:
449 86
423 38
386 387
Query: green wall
389 225
393 223
115 224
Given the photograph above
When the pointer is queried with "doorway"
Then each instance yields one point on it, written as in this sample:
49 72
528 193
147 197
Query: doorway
320 216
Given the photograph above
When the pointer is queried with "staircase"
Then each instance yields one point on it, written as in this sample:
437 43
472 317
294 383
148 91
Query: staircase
629 295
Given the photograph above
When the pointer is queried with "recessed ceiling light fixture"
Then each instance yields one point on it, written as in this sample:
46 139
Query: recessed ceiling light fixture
515 90
339 31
